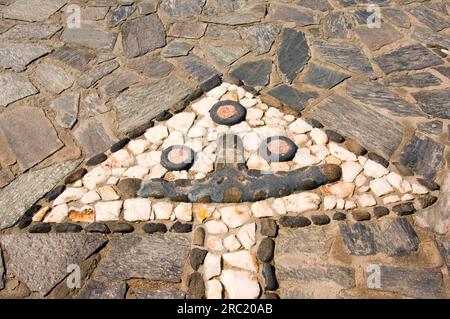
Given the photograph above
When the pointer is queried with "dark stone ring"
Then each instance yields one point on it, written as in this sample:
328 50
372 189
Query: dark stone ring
228 113
278 149
177 158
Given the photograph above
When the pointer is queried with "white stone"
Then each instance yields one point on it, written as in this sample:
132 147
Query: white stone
58 214
342 153
107 193
217 92
69 195
275 113
319 136
137 209
350 171
90 197
419 189
340 203
299 126
339 189
262 209
362 160
248 102
366 200
279 207
380 187
251 142
211 266
350 204
391 199
240 284
113 180
360 180
364 189
299 139
303 158
289 118
138 146
162 210
242 127
213 289
241 259
107 211
254 114
174 138
329 202
375 170
231 243
196 132
280 167
241 92
136 172
214 243
206 122
247 235
395 180
216 227
181 122
235 216
118 171
257 162
407 197
149 159
122 158
203 163
184 212
195 144
157 134
406 187
157 171
301 202
95 177
321 151
203 106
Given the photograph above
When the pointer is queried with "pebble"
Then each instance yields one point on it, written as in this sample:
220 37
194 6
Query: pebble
211 266
425 201
354 147
378 159
319 136
163 116
100 228
361 215
181 122
294 221
196 287
128 187
107 211
380 211
152 228
235 216
432 186
197 257
55 192
360 180
122 158
339 216
217 92
391 199
335 136
342 153
137 209
213 289
68 228
240 284
339 189
404 209
247 235
265 250
262 209
183 212
156 134
95 177
75 176
375 170
181 228
58 214
329 202
301 202
380 187
138 146
241 259
69 195
350 170
122 228
162 210
231 243
203 106
39 216
395 180
97 159
198 238
270 280
90 197
366 200
40 228
108 193
268 227
320 219
216 227
299 126
419 189
214 243
119 145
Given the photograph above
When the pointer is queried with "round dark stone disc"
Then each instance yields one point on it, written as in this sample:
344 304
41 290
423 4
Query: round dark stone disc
287 153
168 158
228 113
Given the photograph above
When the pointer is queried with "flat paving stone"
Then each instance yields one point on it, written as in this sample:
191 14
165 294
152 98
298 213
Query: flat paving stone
430 18
32 10
427 36
152 66
436 102
376 38
177 48
53 78
66 109
223 55
232 20
182 8
444 247
31 32
119 15
292 13
163 293
336 25
432 127
153 257
321 5
2 272
292 97
254 73
397 17
196 68
323 77
103 290
373 130
412 57
139 105
189 30
17 56
94 135
76 58
423 155
293 53
91 77
418 80
117 82
261 36
14 87
90 37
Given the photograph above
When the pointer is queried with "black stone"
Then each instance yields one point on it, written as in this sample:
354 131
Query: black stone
254 73
293 53
320 219
75 176
404 209
432 127
163 116
196 287
122 228
294 221
97 159
99 228
265 250
335 136
380 211
339 216
55 192
292 97
270 280
139 131
358 239
179 227
120 144
323 77
377 158
68 228
171 166
431 185
425 201
128 188
27 218
271 295
278 157
152 228
40 228
314 123
268 227
196 257
199 236
360 215
241 113
229 78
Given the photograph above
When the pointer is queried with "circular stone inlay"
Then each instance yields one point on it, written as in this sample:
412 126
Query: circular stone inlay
278 149
228 113
177 158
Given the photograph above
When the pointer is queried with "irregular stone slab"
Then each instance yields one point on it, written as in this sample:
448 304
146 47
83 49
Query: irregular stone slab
90 77
223 55
378 96
90 37
66 109
182 8
436 102
73 57
396 16
412 57
196 68
222 33
152 66
444 70
321 5
254 73
289 96
32 10
346 56
336 26
362 17
323 77
412 282
261 37
142 35
423 155
444 247
103 290
432 127
391 237
292 13
94 136
373 130
94 13
429 18
31 32
217 7
234 19
93 105
136 107
293 53
53 78
41 261
376 38
190 30
119 15
17 56
426 36
29 143
116 83
437 217
418 80
14 87
177 48
158 258
165 293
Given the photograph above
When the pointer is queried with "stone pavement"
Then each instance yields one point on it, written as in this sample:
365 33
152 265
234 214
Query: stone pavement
89 115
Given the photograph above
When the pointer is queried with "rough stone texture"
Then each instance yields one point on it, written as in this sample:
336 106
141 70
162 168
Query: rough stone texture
444 247
423 155
430 18
418 80
2 272
30 32
292 13
412 57
116 83
153 257
142 35
164 293
54 78
152 66
92 76
176 48
73 57
119 15
336 25
223 55
190 30
94 136
376 38
32 10
293 53
261 37
396 16
90 37
436 103
18 56
197 69
66 109
41 261
372 129
136 107
432 127
292 97
182 8
14 87
323 77
254 73
426 36
103 290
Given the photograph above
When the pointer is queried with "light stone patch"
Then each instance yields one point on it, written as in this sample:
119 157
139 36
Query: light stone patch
247 235
137 209
108 211
162 210
211 266
241 259
235 216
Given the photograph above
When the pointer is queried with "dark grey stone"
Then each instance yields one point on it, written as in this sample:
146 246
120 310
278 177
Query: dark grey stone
196 68
30 32
412 57
163 293
336 26
378 159
99 228
190 30
40 228
424 201
404 209
292 97
119 15
294 221
90 37
196 257
429 37
265 250
2 272
14 87
339 216
418 80
360 215
152 66
428 183
196 286
232 19
41 261
323 77
128 187
68 228
261 37
94 135
268 227
444 247
73 57
380 211
182 8
103 290
268 272
444 70
176 48
75 176
423 155
292 13
116 83
436 102
293 53
361 16
320 220
66 109
430 18
432 127
321 5
121 228
92 76
198 238
181 228
216 32
153 228
254 73
223 55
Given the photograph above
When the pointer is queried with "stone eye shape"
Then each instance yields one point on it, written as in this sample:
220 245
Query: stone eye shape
177 158
228 113
278 149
